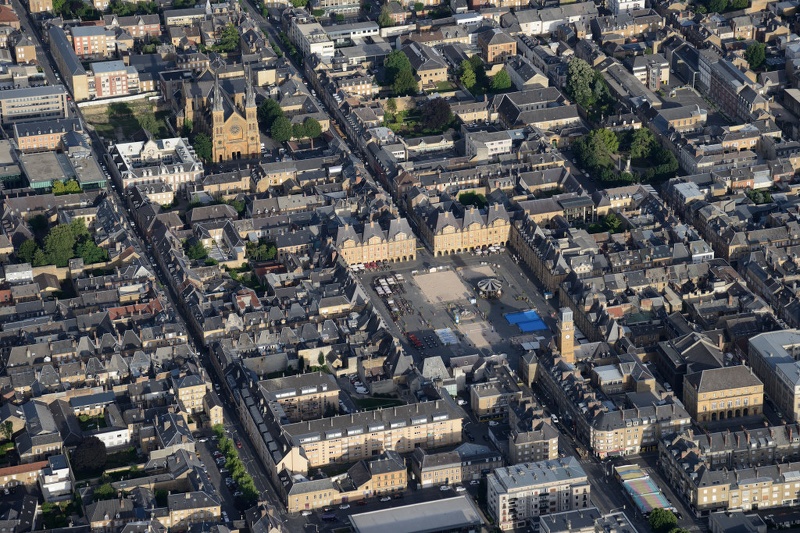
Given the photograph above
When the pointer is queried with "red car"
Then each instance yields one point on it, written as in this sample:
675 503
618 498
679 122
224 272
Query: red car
239 444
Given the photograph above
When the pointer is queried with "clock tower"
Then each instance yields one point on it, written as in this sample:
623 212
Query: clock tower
566 335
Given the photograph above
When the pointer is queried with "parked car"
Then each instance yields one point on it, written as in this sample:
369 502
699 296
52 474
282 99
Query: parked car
386 499
475 482
344 506
239 444
444 488
460 488
306 513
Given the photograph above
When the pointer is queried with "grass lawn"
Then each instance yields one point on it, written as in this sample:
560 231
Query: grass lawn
119 121
91 422
119 475
123 458
445 86
377 403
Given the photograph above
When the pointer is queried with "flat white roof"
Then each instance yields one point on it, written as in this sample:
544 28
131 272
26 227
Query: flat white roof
445 514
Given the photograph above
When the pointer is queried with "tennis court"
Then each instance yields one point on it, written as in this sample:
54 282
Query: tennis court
526 321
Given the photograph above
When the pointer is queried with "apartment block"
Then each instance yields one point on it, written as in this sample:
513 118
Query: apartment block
466 463
110 79
90 41
518 493
302 397
348 438
43 136
33 103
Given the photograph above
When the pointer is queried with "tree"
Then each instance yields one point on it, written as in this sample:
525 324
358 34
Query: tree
219 430
680 529
59 245
89 456
385 19
612 222
419 6
147 121
299 131
8 429
39 258
739 4
39 225
405 84
473 198
313 129
595 149
27 250
580 76
299 3
467 75
755 55
642 143
717 6
268 112
281 130
104 492
58 188
436 114
395 63
391 105
195 250
501 81
202 147
91 253
72 187
228 41
662 520
58 6
188 127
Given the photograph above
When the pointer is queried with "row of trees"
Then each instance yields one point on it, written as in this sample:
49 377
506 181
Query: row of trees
66 187
62 243
720 6
261 250
472 75
271 118
237 469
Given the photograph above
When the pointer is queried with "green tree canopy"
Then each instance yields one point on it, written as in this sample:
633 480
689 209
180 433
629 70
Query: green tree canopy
755 55
281 130
385 19
473 198
612 222
717 6
501 81
642 143
261 251
662 520
466 75
395 63
405 84
8 429
195 250
268 112
91 253
299 131
313 128
104 492
436 114
27 250
89 456
59 245
228 41
203 147
580 76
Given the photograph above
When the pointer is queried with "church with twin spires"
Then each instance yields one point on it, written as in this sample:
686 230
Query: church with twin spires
226 110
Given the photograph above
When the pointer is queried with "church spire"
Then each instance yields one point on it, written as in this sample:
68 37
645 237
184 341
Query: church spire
217 95
250 95
209 11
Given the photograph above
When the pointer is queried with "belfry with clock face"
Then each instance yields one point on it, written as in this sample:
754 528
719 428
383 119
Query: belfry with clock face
234 127
566 335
